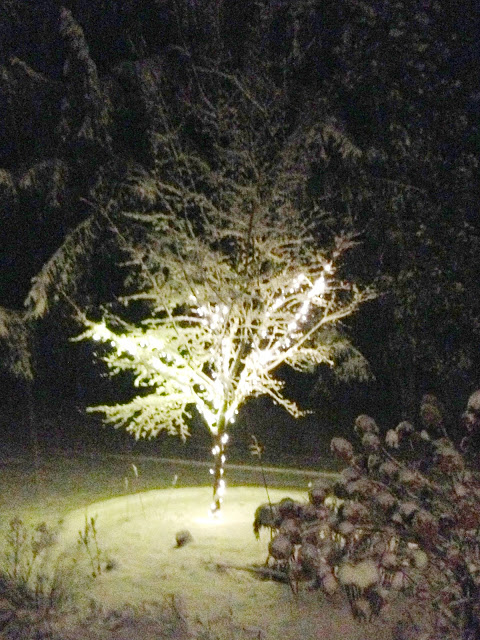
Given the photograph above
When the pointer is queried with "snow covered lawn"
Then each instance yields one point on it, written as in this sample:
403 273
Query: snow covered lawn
205 577
202 589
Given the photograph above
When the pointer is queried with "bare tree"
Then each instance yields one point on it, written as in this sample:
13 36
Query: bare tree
232 295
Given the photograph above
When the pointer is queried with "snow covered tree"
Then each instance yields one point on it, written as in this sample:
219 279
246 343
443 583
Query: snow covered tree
225 270
232 295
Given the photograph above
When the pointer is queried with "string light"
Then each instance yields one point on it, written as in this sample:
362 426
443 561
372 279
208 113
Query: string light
157 363
319 287
101 332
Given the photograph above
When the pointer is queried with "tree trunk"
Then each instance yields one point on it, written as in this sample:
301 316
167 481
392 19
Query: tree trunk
404 377
218 451
33 430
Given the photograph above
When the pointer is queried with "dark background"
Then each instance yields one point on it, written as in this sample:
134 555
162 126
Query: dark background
400 79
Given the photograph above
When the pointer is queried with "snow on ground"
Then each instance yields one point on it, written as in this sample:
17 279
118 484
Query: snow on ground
136 533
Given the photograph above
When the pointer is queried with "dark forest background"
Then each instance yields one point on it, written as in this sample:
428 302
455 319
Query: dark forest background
82 88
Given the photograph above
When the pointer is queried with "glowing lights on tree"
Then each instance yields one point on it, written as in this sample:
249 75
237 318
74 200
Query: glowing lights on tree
220 330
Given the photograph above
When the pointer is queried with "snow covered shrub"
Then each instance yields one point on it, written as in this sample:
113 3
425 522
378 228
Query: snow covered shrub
421 518
471 422
403 520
